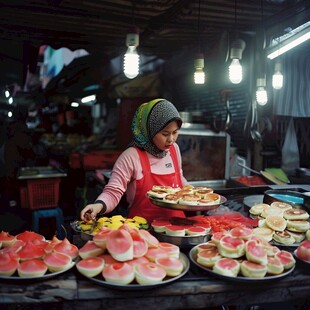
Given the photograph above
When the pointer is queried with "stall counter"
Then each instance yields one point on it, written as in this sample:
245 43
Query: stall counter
193 291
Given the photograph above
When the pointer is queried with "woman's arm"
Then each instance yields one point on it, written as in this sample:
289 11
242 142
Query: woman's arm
124 171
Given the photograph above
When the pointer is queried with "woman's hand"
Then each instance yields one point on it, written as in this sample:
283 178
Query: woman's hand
91 211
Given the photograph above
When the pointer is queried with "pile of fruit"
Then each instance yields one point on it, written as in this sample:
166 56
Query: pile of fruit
29 254
129 256
113 222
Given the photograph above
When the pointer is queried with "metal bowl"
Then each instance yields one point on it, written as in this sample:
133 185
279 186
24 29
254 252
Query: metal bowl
84 235
184 241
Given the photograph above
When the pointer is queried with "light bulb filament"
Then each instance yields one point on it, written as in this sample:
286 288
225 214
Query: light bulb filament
131 63
235 71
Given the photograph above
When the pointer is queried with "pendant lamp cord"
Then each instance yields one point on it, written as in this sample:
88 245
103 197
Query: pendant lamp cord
133 12
199 41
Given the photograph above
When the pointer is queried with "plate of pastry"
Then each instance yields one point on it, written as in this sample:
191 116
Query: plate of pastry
187 198
239 266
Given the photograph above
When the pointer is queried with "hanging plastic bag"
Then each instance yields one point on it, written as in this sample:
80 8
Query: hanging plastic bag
290 150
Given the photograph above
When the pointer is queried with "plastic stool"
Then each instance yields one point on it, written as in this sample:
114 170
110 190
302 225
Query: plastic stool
46 213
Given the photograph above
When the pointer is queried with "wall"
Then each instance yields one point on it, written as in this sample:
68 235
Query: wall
209 98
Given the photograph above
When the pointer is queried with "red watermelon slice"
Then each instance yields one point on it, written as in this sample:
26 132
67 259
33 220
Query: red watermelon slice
120 245
91 266
256 252
32 268
286 258
8 264
149 273
140 245
119 273
90 249
227 267
57 261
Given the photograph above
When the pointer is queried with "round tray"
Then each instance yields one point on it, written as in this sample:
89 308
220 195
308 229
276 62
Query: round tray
250 201
193 258
176 206
46 276
135 286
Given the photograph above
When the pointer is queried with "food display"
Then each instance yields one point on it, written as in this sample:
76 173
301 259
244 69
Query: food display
132 258
190 226
190 231
28 255
240 255
281 223
113 222
303 251
188 197
212 223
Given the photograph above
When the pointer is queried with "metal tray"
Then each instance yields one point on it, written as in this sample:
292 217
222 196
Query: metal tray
239 278
27 173
135 286
46 276
175 206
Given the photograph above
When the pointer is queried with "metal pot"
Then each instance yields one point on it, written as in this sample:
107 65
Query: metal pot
197 117
186 117
303 172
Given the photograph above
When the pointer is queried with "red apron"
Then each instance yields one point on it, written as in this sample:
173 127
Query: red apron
141 205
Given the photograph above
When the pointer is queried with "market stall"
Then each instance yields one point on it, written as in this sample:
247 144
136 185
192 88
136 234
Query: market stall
195 288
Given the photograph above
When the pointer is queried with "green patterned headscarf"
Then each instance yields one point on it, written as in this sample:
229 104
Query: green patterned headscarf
150 118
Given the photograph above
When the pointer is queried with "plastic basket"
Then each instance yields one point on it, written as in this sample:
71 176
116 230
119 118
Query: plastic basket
42 193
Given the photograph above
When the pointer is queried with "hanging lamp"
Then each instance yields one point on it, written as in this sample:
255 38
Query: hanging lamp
236 50
199 75
261 93
277 78
132 58
235 68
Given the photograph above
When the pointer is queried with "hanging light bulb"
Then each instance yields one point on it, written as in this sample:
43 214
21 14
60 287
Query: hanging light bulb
277 78
235 68
261 93
131 58
235 71
199 75
7 93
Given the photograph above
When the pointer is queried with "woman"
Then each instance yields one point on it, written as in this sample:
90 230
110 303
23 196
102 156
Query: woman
152 159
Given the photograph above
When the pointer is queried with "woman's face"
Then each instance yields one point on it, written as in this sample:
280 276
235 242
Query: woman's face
167 136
